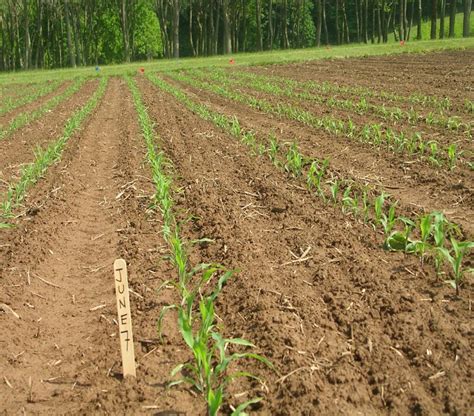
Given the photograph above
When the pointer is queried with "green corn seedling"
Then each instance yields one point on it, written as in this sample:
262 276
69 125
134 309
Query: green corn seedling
294 160
455 258
334 190
378 207
273 150
388 221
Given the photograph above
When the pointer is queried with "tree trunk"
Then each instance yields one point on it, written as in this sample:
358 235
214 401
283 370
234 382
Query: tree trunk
379 25
72 55
125 30
216 33
434 17
270 24
394 25
76 33
357 20
191 39
466 25
286 42
319 22
452 18
227 38
402 19
338 32
441 18
176 29
325 23
258 18
418 29
366 21
244 27
372 32
384 23
412 12
346 24
26 13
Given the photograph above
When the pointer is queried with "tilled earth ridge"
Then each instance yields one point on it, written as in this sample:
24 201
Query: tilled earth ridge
92 209
439 74
412 183
351 329
348 329
443 136
18 149
6 118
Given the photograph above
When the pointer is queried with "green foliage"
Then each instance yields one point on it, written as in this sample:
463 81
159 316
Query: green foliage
146 33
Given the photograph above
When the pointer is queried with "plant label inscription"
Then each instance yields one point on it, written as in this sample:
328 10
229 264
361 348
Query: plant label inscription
124 318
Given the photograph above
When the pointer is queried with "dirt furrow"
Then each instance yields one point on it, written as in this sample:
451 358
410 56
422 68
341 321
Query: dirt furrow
8 117
446 74
91 209
413 183
443 136
343 321
19 148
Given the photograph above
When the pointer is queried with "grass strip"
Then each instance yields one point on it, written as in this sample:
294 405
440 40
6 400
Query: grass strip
198 287
44 158
428 235
27 117
14 102
375 135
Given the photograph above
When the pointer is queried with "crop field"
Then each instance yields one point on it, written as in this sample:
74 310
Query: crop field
299 238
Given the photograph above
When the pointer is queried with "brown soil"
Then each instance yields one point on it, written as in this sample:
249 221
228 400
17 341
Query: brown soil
15 90
350 328
414 184
18 149
443 74
442 135
77 226
6 118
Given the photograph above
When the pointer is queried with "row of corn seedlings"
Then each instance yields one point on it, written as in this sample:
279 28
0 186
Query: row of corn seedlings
294 89
429 235
44 158
27 117
198 287
440 104
11 103
373 134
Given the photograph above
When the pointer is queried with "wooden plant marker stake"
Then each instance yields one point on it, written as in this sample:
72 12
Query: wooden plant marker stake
124 318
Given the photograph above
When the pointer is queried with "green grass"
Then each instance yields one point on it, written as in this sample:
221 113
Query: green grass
261 58
426 28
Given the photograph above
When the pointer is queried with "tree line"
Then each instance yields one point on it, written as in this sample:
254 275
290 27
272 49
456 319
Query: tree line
62 33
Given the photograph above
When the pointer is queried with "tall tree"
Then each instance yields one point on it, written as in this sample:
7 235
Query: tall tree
176 6
402 20
227 35
270 24
442 13
466 25
72 55
319 22
418 29
452 17
434 16
258 18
